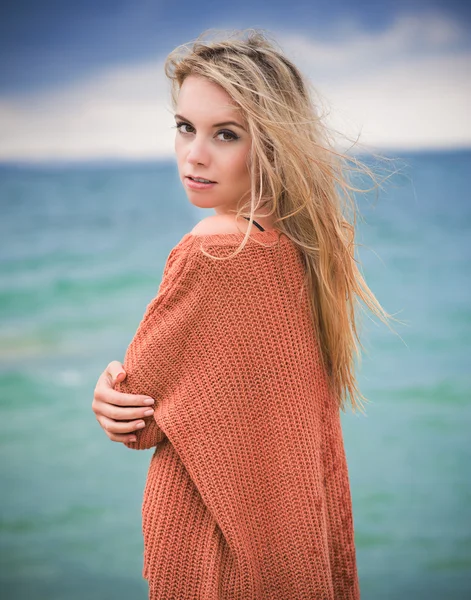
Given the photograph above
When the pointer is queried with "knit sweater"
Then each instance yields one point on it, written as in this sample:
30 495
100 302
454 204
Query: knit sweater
247 495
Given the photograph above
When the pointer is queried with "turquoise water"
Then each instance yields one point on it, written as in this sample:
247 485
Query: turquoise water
82 252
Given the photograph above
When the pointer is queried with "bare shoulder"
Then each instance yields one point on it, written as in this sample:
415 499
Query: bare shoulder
215 224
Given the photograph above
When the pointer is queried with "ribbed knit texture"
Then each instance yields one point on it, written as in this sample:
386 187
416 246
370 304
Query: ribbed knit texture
247 495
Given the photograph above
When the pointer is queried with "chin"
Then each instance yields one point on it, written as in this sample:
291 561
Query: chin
200 201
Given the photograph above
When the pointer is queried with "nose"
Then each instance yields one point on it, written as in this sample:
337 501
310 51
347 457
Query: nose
198 153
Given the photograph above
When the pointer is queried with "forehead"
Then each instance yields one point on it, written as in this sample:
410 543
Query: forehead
200 96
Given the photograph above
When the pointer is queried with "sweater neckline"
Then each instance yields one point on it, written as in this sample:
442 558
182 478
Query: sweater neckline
226 239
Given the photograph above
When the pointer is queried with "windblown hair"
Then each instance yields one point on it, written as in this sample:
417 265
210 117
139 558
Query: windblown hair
303 181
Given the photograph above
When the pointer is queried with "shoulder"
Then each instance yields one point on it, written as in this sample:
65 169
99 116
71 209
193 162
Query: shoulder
215 224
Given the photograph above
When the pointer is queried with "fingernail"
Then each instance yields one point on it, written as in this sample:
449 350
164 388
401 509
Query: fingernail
148 401
140 425
133 439
149 412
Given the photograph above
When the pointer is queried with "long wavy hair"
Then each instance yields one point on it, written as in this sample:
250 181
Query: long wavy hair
299 176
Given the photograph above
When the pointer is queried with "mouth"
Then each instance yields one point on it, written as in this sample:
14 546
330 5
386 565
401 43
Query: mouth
200 179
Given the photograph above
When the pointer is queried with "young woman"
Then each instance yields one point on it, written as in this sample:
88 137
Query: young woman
241 364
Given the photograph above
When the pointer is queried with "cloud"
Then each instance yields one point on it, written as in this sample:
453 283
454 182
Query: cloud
405 87
122 113
350 48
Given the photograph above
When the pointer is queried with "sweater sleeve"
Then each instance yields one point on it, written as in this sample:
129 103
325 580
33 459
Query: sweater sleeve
154 347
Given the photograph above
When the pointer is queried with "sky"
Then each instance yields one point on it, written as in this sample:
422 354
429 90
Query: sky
85 81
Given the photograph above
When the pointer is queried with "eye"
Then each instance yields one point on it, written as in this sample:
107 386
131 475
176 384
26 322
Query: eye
231 135
181 124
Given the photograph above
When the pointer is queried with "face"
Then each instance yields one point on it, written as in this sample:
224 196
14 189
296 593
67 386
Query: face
212 143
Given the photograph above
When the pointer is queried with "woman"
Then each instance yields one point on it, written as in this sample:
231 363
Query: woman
248 347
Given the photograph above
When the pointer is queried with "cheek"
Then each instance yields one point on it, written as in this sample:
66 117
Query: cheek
239 165
179 153
177 146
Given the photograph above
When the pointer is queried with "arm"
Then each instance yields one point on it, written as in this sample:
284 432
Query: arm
155 348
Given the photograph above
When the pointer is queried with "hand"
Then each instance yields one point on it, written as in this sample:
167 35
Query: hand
119 414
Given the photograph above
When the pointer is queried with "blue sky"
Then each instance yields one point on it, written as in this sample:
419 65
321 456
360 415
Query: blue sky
84 79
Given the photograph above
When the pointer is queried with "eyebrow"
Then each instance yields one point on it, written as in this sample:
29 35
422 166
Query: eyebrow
225 124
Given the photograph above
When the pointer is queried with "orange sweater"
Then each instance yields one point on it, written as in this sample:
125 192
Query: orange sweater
247 495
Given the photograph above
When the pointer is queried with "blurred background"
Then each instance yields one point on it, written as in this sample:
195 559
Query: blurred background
91 205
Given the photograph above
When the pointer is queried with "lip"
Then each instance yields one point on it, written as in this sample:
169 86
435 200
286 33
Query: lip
197 185
200 177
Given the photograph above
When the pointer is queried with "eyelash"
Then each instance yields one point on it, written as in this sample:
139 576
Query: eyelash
231 133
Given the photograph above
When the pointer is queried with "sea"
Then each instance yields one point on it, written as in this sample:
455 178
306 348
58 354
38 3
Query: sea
82 250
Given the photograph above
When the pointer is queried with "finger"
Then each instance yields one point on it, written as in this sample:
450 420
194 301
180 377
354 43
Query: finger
110 396
104 392
120 427
120 413
104 383
115 371
117 437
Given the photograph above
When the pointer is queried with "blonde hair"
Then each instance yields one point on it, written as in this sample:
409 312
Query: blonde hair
301 178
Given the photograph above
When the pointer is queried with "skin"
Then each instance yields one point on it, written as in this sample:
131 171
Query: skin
220 154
